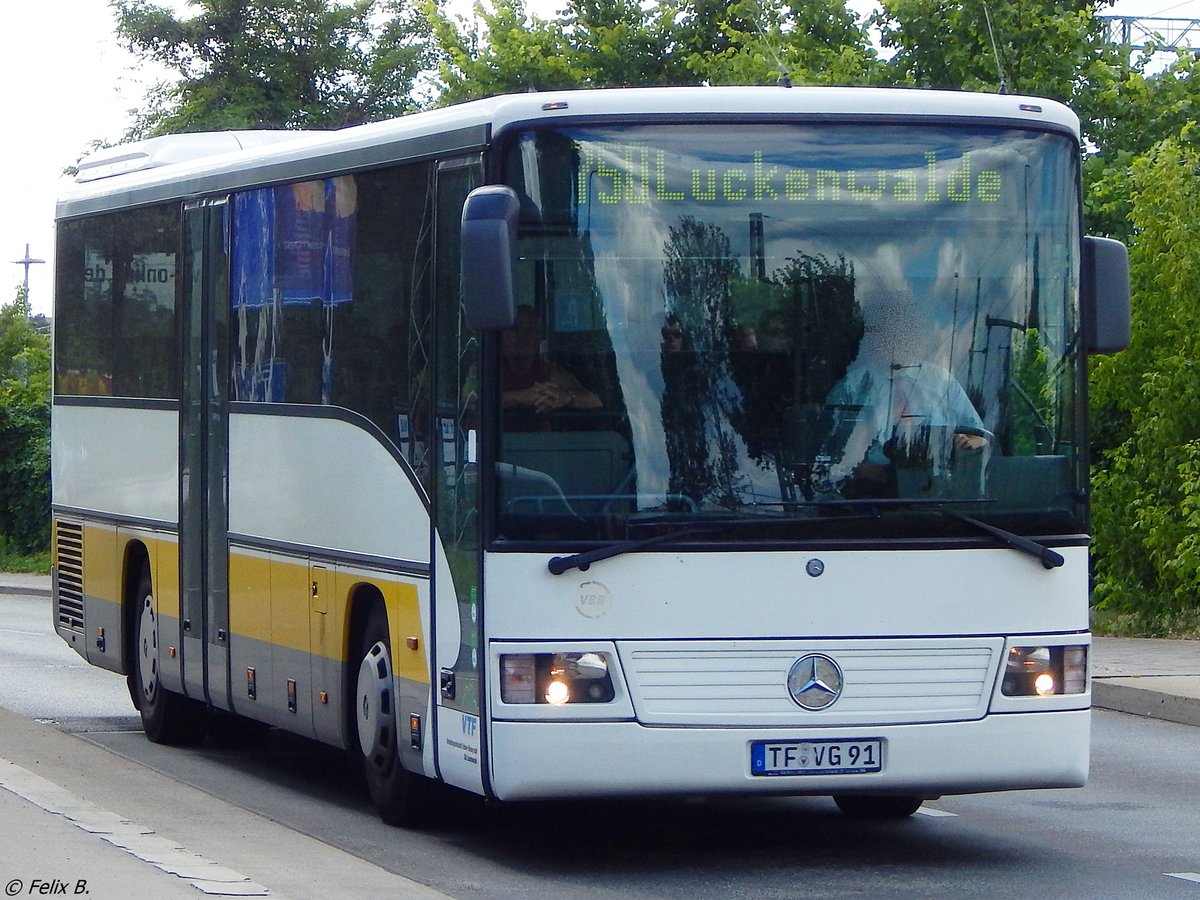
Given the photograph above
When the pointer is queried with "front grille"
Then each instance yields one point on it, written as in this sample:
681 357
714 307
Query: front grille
68 598
744 683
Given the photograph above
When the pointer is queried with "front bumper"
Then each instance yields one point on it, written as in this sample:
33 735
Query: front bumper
541 760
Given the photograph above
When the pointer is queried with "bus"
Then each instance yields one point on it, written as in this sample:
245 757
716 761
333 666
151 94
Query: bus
680 441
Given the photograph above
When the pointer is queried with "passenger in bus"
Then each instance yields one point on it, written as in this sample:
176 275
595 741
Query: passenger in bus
672 335
532 384
893 409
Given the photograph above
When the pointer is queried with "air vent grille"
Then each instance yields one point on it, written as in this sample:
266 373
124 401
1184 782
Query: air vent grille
68 599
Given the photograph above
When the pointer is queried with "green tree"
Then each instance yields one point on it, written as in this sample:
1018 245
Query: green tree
1147 488
502 49
1038 47
752 42
24 429
623 43
1128 109
293 64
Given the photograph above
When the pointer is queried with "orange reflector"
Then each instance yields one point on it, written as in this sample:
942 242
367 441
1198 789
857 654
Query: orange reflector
412 643
171 652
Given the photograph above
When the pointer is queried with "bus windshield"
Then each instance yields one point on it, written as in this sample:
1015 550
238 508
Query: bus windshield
810 331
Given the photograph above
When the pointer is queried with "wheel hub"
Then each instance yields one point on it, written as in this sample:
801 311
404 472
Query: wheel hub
148 650
374 709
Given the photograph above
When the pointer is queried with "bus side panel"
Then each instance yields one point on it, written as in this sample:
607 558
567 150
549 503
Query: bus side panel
251 659
289 692
117 461
321 482
108 577
334 493
101 596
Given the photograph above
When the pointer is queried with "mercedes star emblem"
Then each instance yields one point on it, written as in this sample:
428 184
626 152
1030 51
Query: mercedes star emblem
815 681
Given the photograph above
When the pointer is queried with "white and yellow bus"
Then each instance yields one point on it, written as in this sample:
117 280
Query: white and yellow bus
664 441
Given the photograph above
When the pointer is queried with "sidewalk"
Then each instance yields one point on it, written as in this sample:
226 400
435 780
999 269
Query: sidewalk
134 833
1141 676
1147 677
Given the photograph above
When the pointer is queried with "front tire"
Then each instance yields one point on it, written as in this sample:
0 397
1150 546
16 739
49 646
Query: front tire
401 797
167 717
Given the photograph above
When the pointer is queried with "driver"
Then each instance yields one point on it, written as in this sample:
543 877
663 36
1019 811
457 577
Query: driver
532 384
893 408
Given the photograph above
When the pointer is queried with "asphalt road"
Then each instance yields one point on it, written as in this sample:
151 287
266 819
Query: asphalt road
1134 831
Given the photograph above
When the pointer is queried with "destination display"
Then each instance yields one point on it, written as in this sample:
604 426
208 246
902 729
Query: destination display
635 173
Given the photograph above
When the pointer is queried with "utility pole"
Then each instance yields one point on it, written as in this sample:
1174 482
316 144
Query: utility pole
27 262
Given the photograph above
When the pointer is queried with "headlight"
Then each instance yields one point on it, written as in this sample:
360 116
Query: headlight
555 678
1045 671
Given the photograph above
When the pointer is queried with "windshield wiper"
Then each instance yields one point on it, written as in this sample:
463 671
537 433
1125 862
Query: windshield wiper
583 561
1050 559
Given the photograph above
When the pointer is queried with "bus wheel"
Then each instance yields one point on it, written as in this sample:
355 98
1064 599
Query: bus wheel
883 806
401 797
167 718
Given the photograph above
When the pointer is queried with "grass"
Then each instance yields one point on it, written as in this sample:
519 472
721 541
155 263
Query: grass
1145 624
25 563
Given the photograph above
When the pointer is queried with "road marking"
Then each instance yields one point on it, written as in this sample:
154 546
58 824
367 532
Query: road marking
936 813
203 874
1184 876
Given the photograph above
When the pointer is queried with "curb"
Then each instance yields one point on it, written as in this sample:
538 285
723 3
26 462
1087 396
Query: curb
1142 702
27 590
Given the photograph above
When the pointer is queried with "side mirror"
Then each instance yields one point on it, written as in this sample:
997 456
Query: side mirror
489 232
1106 315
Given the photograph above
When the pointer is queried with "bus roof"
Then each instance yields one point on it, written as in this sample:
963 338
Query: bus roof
194 165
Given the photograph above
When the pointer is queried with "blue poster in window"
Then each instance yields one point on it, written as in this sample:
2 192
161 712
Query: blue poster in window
253 262
301 240
295 241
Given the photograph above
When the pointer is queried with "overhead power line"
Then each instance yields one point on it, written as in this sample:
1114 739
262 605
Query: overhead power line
1140 32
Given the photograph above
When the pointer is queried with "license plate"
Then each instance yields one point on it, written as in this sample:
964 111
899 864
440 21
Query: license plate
816 757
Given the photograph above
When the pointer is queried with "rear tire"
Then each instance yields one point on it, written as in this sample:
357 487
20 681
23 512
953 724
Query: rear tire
167 717
878 807
401 797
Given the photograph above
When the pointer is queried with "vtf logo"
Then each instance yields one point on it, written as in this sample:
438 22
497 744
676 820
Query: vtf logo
469 725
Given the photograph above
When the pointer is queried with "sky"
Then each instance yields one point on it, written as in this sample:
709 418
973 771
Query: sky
67 84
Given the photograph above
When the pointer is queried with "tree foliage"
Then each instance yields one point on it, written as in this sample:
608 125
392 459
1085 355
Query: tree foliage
1038 47
623 43
751 42
1147 489
300 64
24 429
1130 106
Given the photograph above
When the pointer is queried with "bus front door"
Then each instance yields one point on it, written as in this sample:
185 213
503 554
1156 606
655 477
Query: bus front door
461 741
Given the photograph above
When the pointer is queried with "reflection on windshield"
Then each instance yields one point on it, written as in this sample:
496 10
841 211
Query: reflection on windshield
773 319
